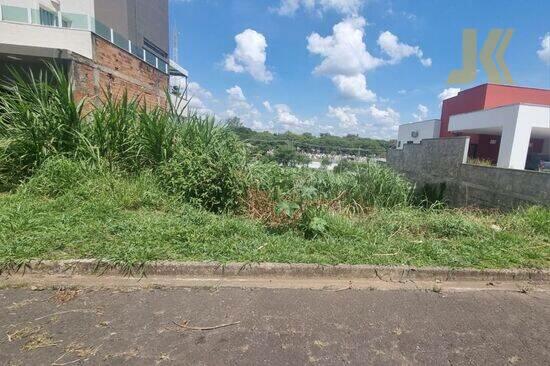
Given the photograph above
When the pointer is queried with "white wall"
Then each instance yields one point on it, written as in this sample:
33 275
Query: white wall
425 129
515 121
77 41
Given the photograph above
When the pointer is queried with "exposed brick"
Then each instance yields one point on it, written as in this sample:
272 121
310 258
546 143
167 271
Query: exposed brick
115 70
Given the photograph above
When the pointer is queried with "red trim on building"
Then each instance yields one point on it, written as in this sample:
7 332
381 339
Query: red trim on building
489 96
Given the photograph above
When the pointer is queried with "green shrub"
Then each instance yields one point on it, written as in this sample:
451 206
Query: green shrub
40 118
209 169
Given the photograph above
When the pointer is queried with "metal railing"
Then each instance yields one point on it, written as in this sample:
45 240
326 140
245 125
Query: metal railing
59 19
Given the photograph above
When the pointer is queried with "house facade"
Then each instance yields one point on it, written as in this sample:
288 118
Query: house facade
106 45
507 125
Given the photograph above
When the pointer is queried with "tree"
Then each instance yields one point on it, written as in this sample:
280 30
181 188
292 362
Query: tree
234 123
286 155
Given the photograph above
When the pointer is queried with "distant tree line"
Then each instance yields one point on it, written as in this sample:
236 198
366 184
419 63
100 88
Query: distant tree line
306 142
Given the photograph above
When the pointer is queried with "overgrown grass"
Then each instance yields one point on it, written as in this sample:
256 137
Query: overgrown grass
129 184
130 219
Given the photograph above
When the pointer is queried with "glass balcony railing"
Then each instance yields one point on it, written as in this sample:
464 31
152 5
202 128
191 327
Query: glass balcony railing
47 18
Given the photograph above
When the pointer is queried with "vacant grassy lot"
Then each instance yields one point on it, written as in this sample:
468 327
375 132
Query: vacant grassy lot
131 220
129 184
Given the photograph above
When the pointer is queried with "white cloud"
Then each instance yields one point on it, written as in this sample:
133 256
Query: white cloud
422 112
402 91
544 52
448 93
390 45
372 121
343 52
249 56
288 119
238 106
199 97
354 87
345 115
236 94
344 7
386 116
267 106
345 58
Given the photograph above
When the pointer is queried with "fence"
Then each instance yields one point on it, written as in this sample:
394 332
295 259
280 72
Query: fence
436 161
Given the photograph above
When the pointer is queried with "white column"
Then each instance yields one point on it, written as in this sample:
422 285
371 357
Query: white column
514 145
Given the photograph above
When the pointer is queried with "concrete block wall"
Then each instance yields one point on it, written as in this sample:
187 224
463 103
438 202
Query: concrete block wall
444 161
115 70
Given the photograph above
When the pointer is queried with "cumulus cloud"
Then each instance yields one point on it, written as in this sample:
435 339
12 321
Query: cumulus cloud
345 115
345 58
199 97
390 45
448 93
249 56
388 116
236 94
371 121
288 119
544 52
267 106
344 52
354 87
422 112
238 106
344 7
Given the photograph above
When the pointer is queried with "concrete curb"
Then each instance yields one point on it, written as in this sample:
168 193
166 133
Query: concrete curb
278 270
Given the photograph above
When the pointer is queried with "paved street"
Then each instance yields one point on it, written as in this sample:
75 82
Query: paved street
272 327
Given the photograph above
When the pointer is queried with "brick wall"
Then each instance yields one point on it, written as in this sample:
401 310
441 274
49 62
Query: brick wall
444 161
115 70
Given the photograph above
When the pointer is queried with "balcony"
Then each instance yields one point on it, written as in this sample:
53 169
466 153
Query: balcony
78 22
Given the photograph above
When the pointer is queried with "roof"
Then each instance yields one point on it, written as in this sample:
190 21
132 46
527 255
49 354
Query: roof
177 70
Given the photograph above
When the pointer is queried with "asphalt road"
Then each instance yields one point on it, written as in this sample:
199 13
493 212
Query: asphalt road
272 327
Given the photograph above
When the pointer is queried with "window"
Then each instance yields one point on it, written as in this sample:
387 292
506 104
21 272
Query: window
14 14
48 18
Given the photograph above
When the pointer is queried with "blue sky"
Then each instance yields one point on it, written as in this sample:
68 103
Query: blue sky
345 66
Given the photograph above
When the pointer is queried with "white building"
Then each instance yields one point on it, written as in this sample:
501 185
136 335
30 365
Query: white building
517 125
413 133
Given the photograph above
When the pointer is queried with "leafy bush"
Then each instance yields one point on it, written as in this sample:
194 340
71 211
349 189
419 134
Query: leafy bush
40 118
209 168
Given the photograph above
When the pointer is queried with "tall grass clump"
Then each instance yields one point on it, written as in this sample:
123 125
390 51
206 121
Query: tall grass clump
208 168
377 185
39 118
126 133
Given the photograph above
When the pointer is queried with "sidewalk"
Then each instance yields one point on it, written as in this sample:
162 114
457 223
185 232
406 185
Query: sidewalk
147 323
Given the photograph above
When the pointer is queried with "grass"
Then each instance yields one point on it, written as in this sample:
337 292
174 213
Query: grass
129 220
129 184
